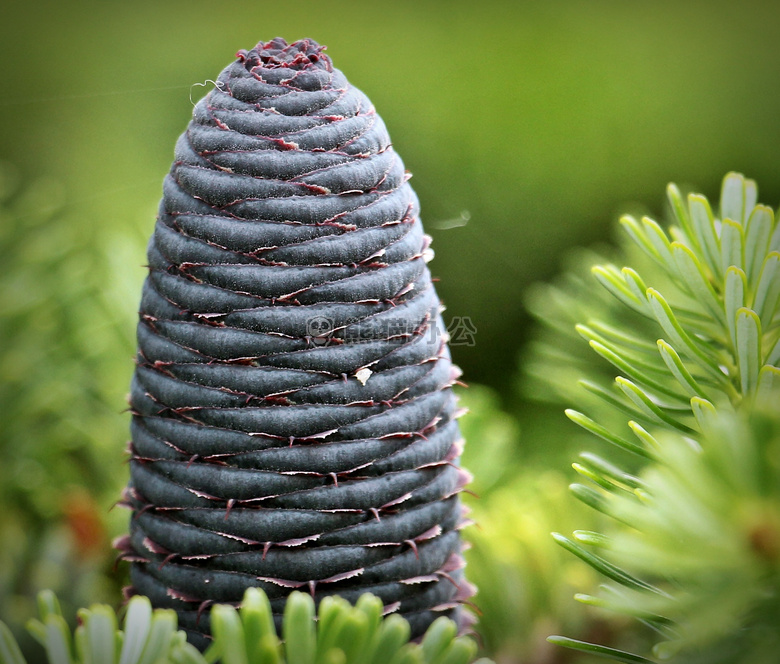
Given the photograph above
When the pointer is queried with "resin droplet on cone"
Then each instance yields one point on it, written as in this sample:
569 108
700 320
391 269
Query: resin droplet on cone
293 418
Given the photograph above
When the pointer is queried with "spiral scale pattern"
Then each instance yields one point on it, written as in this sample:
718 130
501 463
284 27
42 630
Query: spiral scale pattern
293 424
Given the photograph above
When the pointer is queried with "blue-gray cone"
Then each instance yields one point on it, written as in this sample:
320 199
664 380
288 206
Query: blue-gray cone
294 425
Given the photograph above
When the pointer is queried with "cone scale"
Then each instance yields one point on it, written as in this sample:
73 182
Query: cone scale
293 422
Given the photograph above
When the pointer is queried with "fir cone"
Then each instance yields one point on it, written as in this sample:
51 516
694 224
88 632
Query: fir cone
293 424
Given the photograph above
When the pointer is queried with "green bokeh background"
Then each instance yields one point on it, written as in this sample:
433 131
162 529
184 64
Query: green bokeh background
540 122
539 119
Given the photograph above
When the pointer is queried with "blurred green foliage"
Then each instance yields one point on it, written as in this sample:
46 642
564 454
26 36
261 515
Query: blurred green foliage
682 374
524 580
541 120
66 338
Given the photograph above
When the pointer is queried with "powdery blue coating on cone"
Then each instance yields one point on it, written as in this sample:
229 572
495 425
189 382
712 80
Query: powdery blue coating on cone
293 418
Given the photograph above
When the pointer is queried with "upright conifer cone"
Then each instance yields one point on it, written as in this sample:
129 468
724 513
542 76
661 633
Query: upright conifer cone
293 424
